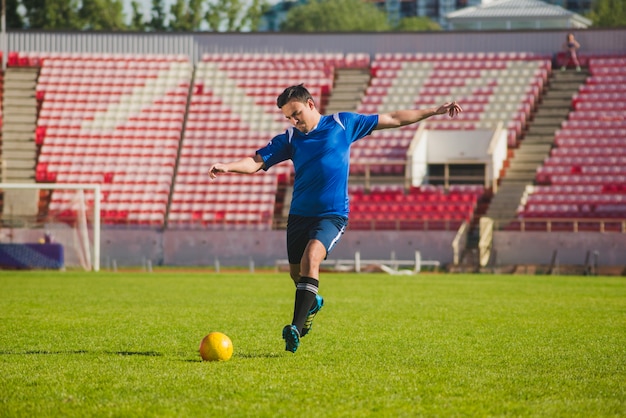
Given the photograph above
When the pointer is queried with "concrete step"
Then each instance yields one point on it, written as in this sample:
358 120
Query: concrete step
525 165
521 177
20 118
561 103
542 130
18 85
12 76
12 126
538 139
15 136
19 145
352 79
28 93
547 120
527 148
19 176
551 112
18 154
20 101
559 94
13 164
360 86
11 112
503 205
347 95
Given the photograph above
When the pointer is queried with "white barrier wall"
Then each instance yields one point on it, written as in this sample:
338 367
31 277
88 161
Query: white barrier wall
237 248
537 247
192 248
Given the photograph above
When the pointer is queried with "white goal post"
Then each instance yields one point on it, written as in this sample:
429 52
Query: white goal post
96 188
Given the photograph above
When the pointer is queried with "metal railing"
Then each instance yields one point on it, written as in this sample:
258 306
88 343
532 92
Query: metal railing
562 225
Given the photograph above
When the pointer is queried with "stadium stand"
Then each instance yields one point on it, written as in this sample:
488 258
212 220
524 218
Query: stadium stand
232 113
118 120
581 185
115 120
493 87
422 208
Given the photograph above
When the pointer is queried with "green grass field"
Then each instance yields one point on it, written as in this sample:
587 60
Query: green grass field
125 344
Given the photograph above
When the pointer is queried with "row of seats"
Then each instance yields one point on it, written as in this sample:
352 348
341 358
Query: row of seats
232 113
584 175
494 88
427 207
94 130
112 120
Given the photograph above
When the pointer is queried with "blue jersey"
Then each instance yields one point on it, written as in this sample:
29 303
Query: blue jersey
321 160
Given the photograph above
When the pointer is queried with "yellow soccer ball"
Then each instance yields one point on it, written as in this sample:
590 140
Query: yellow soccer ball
216 347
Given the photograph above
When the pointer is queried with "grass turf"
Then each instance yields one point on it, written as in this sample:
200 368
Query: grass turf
125 344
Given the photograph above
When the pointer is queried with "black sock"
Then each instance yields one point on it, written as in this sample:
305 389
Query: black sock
306 290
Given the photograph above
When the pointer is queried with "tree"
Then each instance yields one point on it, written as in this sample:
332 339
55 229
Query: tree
157 22
234 15
414 24
335 16
608 13
13 18
52 14
137 19
102 15
186 17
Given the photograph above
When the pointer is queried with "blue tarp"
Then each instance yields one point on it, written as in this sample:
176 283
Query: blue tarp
31 256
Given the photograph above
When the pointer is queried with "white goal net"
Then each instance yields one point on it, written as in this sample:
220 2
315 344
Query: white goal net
50 226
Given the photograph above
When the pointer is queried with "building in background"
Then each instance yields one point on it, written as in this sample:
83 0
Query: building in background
548 13
515 15
437 10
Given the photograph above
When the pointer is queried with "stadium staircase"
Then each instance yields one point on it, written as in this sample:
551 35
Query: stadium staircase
19 151
349 89
20 118
536 144
581 184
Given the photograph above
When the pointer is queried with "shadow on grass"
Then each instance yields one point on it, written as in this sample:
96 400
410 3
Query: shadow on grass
239 355
257 355
135 353
61 352
129 353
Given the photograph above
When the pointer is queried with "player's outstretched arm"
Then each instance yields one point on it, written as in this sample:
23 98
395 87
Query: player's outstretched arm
246 165
407 117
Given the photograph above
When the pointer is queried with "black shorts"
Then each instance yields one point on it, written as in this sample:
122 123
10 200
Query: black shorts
301 229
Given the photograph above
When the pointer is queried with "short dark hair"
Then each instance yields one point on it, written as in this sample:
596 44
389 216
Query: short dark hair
298 93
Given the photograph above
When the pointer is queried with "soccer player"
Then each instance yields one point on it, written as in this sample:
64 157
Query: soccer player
319 147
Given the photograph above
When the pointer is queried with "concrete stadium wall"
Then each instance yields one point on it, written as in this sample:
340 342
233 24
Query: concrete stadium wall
537 247
195 44
133 247
237 248
264 248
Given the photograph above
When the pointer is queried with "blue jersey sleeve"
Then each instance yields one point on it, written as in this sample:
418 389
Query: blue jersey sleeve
276 151
358 125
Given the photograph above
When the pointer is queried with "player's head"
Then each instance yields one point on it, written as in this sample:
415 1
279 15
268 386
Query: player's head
298 93
299 108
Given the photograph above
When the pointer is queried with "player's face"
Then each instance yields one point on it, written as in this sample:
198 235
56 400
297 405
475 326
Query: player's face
300 115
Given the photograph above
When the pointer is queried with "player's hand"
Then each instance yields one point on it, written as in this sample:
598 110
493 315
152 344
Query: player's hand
451 108
215 169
